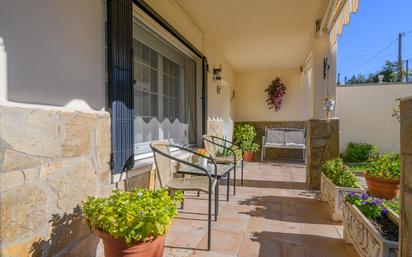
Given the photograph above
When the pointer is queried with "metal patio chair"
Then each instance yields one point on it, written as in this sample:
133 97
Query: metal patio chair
214 143
221 171
205 183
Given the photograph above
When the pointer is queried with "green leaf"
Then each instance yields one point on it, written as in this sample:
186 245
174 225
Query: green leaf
134 216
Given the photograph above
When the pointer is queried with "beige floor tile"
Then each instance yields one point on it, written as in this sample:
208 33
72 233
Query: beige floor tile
236 225
328 231
224 242
274 214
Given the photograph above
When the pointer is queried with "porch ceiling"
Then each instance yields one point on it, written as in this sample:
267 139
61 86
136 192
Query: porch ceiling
258 34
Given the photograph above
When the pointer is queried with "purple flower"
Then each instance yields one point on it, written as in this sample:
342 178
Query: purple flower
384 211
377 201
364 196
141 213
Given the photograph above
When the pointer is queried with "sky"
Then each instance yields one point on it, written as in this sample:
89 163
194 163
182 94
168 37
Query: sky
375 25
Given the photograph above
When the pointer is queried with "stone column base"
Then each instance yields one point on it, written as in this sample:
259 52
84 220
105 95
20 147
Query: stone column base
322 145
406 178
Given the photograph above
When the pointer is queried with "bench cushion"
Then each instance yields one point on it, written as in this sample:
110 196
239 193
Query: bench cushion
275 136
295 137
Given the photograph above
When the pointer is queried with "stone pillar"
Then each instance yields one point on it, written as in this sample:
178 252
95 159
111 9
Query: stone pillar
406 178
322 145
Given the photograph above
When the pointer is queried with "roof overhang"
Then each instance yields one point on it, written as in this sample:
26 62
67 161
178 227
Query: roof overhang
337 16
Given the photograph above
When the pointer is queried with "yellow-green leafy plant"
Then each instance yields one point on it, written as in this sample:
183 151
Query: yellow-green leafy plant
339 173
244 135
386 166
135 216
393 204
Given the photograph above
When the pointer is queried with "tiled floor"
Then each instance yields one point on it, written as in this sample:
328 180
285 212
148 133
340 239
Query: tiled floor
272 215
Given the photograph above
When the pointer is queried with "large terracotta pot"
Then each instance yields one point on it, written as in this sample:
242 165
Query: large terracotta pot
383 188
249 156
118 248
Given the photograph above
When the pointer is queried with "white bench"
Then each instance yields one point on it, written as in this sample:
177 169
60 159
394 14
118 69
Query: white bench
288 138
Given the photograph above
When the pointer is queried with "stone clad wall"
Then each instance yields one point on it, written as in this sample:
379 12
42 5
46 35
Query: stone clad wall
275 153
322 145
50 160
406 178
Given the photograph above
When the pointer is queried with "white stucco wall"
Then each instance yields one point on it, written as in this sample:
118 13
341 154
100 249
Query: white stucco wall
219 105
251 96
365 114
55 52
321 48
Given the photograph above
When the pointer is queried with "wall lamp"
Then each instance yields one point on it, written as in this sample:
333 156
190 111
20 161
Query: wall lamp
217 73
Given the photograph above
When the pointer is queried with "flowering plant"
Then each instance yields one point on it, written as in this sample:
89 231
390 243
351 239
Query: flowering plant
135 216
275 92
203 151
373 208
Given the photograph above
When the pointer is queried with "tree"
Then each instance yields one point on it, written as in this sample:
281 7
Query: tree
389 72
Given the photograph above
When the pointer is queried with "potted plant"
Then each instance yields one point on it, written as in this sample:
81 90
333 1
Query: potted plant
367 225
132 224
204 153
244 135
383 174
336 180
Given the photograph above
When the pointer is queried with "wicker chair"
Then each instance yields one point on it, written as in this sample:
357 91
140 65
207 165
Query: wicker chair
213 143
205 183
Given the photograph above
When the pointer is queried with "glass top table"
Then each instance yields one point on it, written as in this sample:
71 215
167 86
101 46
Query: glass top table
222 169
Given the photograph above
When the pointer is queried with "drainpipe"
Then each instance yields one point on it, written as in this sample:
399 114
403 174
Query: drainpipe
3 72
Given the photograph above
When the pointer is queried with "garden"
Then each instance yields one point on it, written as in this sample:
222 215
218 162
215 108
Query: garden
362 189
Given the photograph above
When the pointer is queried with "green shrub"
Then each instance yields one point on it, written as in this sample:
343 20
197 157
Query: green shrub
358 152
339 173
244 135
386 166
133 216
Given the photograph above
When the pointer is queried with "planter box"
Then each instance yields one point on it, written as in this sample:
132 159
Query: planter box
335 195
393 216
367 241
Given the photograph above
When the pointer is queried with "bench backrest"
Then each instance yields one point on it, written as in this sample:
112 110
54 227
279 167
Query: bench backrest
285 136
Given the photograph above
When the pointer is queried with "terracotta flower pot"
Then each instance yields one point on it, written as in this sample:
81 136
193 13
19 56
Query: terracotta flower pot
118 248
383 188
249 156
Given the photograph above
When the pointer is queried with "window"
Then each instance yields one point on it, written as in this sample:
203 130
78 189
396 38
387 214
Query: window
164 91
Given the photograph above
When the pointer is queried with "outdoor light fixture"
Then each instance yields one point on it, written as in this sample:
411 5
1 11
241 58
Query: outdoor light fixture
217 73
328 101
